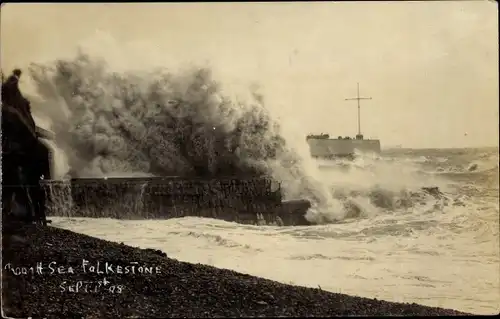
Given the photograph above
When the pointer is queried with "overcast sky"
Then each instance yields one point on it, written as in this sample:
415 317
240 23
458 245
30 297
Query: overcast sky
430 67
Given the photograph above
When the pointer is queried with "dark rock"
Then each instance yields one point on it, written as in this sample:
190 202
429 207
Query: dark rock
434 191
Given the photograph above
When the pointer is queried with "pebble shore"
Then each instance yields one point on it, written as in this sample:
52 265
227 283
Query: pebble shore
56 273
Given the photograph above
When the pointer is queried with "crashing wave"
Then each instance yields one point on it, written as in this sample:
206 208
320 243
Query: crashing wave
162 123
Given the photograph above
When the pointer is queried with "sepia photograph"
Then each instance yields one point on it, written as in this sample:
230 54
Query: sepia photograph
250 159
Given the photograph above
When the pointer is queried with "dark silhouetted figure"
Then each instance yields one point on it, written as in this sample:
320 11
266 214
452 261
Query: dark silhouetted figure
10 88
13 155
23 154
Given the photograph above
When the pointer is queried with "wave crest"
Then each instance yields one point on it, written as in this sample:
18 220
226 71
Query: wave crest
158 122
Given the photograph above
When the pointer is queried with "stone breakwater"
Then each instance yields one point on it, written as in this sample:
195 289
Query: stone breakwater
173 289
242 199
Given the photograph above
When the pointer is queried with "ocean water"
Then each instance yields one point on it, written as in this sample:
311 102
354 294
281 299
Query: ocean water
379 234
441 251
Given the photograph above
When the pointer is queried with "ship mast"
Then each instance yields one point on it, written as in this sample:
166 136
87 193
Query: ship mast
358 98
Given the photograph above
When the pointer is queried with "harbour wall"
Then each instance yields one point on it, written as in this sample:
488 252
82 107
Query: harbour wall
244 200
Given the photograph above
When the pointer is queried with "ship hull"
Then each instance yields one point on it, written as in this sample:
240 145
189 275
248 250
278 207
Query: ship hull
341 148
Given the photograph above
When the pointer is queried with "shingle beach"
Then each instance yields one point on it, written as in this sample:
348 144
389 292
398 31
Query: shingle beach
112 280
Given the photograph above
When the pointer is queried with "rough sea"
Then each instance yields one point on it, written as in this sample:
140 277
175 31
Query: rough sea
379 236
439 251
